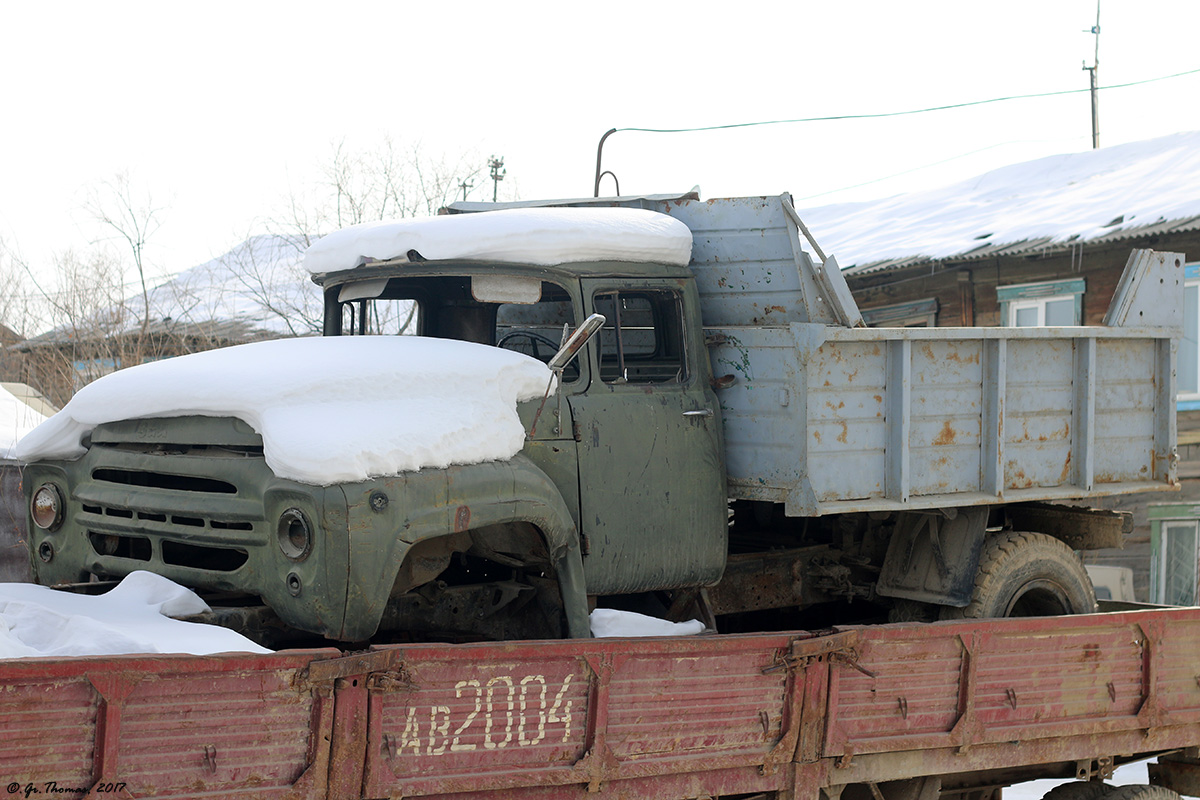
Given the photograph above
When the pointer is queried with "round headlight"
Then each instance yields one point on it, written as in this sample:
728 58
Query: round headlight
46 508
294 534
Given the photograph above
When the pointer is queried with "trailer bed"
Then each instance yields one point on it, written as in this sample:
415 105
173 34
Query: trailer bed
786 713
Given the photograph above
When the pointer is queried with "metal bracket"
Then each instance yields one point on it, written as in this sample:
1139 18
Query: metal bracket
1101 766
210 758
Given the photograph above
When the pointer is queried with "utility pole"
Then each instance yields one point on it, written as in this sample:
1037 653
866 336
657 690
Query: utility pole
496 165
1092 77
466 186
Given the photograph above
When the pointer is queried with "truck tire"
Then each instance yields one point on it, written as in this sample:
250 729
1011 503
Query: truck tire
1079 790
1141 791
1027 575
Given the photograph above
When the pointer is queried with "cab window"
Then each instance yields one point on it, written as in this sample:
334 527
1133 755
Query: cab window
642 338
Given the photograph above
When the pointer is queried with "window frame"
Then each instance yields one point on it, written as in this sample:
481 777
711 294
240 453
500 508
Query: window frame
674 299
1036 295
1161 516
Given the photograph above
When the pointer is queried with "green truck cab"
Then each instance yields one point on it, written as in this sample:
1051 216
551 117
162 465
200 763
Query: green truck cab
619 488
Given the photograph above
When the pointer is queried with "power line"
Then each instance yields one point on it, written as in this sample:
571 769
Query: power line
876 115
911 111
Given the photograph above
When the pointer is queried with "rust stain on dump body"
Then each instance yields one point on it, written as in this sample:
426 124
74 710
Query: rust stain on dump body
945 436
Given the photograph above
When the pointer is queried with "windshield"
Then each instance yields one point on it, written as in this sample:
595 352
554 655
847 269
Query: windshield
446 307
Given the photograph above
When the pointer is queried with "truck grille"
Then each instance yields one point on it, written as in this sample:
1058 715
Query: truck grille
158 480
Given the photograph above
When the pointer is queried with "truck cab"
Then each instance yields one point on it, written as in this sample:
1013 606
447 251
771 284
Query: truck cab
630 439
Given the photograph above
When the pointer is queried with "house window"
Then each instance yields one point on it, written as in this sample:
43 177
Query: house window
917 314
1048 303
1187 374
1174 555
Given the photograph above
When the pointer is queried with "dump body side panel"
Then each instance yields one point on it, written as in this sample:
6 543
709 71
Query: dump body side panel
831 420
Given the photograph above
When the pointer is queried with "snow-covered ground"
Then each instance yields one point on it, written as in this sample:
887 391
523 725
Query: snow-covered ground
133 617
330 410
1076 195
16 420
1035 790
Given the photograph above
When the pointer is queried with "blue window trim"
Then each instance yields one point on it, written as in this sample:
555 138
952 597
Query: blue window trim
1034 291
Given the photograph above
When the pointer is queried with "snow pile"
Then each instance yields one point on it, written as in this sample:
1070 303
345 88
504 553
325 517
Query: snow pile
1065 197
1126 775
542 236
16 420
606 622
134 617
330 410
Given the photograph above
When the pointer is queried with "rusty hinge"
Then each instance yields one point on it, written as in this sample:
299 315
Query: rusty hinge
849 658
384 666
832 646
397 680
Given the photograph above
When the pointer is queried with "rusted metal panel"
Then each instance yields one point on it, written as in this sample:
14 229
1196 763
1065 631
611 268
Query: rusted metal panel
665 718
960 685
528 717
167 726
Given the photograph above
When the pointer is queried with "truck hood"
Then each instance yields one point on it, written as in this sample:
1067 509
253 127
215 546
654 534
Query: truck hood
329 410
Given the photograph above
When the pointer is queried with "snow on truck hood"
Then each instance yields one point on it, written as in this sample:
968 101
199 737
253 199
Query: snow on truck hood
329 410
540 236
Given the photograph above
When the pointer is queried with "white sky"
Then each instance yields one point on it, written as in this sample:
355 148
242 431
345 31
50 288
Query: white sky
220 109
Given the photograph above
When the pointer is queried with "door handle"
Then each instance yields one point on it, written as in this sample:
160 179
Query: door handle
702 412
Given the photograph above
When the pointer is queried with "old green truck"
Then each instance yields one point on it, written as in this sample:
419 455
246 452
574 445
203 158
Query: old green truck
732 443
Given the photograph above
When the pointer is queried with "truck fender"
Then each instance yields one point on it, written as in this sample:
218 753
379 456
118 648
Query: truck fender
495 493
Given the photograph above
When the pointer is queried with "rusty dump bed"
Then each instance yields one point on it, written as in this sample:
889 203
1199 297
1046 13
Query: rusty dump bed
828 416
652 718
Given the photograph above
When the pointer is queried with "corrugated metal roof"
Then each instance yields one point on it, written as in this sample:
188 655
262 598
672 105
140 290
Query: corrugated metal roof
1045 245
1118 194
217 332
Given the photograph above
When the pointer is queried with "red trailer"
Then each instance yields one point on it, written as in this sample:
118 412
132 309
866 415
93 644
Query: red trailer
898 711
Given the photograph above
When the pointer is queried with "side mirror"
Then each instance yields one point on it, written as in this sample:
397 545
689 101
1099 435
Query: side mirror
575 343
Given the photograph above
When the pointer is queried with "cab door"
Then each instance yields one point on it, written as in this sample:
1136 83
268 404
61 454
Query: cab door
651 475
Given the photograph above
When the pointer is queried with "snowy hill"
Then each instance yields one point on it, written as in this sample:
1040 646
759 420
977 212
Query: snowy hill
261 283
259 289
1053 202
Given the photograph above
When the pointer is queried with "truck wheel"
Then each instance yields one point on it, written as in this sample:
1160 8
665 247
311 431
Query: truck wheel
1079 790
1140 791
1027 575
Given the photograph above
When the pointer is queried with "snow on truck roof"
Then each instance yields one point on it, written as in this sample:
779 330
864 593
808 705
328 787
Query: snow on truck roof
538 236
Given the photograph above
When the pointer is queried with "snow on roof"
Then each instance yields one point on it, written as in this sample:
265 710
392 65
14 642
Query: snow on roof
541 236
330 410
133 617
1072 197
16 420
